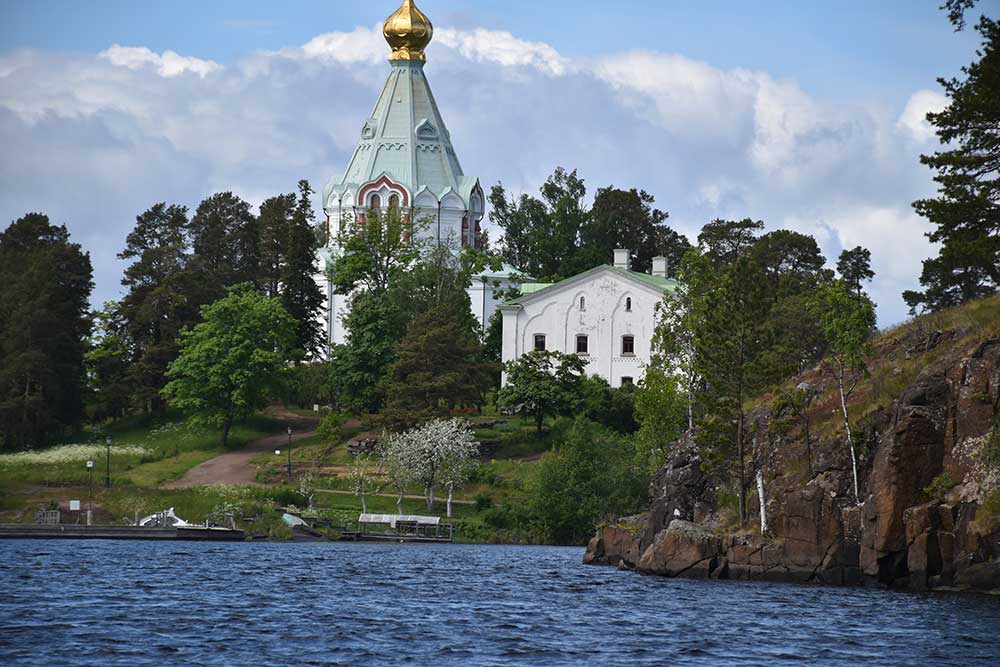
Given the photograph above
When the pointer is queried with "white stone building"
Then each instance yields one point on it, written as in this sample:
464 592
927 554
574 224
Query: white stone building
404 158
605 315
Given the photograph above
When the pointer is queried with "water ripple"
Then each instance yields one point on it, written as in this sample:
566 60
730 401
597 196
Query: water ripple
146 603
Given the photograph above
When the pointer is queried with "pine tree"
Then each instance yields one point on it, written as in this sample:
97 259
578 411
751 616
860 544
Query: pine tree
45 284
223 235
163 297
855 267
966 212
272 236
300 293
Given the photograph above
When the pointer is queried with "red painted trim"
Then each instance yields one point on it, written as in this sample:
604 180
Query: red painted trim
375 185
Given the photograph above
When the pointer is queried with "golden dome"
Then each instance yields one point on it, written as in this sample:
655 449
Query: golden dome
408 32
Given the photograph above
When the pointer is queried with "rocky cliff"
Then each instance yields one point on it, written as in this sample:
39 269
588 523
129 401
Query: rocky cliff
929 515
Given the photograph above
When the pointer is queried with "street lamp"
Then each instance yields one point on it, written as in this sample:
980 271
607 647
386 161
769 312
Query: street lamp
107 473
289 453
90 498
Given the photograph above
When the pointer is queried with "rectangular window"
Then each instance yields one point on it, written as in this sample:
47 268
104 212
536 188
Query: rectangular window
539 341
626 381
628 345
581 344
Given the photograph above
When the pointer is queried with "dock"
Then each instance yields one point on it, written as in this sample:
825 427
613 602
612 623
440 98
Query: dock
111 532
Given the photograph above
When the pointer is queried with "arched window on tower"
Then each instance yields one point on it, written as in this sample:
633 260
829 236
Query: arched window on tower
376 202
583 303
628 304
393 202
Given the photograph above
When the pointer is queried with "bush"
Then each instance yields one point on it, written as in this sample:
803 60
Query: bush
939 487
483 502
591 475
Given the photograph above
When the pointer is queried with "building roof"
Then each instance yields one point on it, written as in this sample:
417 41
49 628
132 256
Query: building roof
531 291
392 519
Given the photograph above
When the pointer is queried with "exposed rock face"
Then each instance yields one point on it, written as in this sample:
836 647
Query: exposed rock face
895 537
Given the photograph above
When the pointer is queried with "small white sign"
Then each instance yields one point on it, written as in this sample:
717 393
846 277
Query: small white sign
277 452
90 464
315 407
74 506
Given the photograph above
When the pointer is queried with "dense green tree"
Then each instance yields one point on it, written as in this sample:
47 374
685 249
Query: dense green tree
162 298
791 262
273 223
225 243
377 252
543 383
730 342
855 267
966 211
107 363
609 407
45 284
848 323
438 366
588 477
621 219
300 293
725 241
234 361
662 412
541 236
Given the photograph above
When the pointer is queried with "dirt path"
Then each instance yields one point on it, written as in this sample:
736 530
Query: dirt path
235 467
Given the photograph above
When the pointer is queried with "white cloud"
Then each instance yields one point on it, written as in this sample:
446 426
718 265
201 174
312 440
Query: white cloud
167 64
914 117
94 141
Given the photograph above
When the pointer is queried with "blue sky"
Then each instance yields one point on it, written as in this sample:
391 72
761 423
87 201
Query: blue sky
805 114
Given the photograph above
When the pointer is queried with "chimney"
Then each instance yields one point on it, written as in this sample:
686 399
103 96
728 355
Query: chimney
621 259
660 267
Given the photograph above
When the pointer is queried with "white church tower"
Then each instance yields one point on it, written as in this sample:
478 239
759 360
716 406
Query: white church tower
405 158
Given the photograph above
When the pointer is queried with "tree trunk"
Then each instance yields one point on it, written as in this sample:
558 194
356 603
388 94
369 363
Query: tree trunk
847 430
743 481
451 489
399 502
226 425
539 419
760 497
364 505
429 495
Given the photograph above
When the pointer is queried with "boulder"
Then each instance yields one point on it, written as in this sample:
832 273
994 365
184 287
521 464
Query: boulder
683 548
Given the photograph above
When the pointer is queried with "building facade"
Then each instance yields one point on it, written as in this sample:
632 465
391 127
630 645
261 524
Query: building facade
405 159
605 315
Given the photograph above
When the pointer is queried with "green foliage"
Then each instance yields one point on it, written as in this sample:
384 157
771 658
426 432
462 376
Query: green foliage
376 251
223 235
300 294
234 361
439 365
939 487
847 322
612 408
966 212
662 412
45 284
589 476
855 267
332 425
543 383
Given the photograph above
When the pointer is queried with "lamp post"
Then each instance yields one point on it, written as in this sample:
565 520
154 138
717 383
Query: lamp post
289 453
90 497
107 473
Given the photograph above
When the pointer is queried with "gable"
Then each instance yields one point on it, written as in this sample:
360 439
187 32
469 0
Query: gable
649 284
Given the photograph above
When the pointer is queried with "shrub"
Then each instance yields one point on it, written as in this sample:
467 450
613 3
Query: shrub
939 487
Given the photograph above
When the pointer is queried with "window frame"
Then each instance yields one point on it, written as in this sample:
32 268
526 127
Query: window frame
622 381
586 345
628 304
631 340
534 342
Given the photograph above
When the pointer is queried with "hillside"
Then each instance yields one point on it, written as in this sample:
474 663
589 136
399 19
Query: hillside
926 420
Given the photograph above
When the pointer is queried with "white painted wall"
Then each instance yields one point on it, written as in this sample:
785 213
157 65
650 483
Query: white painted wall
556 313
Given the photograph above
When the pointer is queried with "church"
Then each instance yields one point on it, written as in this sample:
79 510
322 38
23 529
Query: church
404 158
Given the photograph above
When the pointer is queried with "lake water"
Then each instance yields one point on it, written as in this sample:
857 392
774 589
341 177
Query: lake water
148 603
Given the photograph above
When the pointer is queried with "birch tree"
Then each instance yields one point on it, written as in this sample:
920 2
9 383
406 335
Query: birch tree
397 464
364 473
848 322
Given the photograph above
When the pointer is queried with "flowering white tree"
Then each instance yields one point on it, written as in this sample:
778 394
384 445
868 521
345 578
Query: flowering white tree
364 473
397 462
441 451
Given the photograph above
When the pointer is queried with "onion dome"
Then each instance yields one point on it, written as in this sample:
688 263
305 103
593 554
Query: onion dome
408 31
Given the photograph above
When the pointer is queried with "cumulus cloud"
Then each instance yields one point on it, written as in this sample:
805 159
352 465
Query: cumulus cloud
913 120
166 64
94 141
